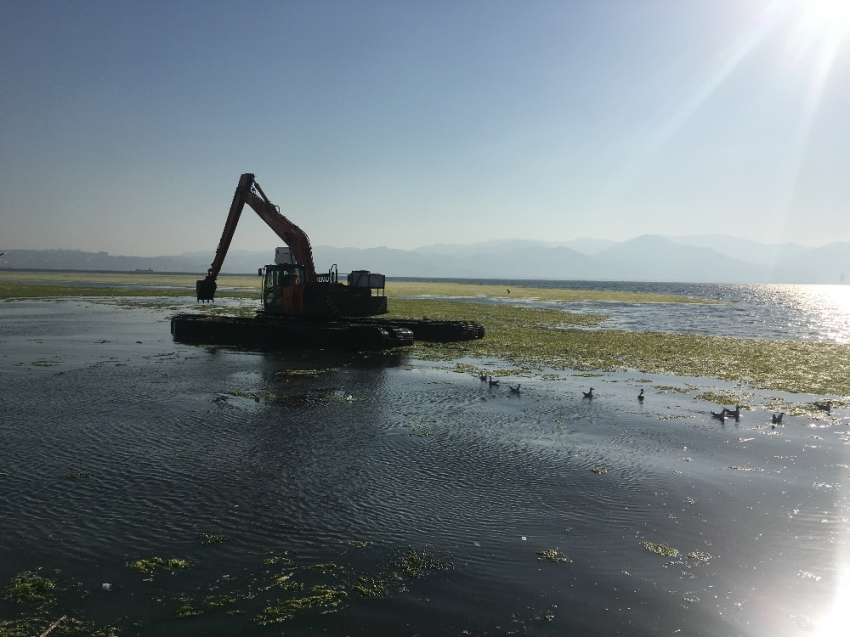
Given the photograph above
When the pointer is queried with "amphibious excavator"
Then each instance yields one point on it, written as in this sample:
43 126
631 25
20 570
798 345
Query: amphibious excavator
303 308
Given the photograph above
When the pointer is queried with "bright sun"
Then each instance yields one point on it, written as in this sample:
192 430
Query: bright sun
825 14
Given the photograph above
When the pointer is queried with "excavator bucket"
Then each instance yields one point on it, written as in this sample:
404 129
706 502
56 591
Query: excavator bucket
205 290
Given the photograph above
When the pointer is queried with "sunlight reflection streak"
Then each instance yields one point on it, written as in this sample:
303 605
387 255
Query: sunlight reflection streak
727 61
835 622
812 28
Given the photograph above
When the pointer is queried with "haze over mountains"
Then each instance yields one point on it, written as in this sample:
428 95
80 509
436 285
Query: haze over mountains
701 258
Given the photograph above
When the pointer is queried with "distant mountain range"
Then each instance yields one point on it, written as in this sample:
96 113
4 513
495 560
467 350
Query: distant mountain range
701 258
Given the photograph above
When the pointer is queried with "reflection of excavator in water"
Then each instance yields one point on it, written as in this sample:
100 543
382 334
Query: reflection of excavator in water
300 307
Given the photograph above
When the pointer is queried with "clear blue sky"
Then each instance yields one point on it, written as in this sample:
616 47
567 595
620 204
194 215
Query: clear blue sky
124 126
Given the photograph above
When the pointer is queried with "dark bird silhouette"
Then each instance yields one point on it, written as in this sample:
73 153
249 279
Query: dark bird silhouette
734 413
641 396
482 377
493 383
827 406
777 418
514 390
719 416
509 290
588 394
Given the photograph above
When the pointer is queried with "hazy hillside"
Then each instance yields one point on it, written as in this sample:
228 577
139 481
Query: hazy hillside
744 249
705 258
827 264
79 260
654 258
497 247
394 262
588 246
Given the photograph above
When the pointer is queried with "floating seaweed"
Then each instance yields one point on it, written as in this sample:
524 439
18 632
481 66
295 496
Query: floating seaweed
523 337
323 596
221 600
380 586
553 555
29 587
812 410
188 611
329 566
149 565
719 399
466 368
277 559
417 563
76 475
421 430
661 549
700 556
470 291
297 374
599 470
208 538
669 388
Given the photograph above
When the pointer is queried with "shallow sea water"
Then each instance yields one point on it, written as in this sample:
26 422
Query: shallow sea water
791 312
176 441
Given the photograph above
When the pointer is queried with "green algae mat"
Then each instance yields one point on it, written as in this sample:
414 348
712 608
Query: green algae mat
535 339
530 339
520 292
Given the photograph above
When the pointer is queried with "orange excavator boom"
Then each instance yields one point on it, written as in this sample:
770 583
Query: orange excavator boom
249 191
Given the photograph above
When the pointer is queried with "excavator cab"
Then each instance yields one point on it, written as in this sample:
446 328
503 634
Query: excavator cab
283 288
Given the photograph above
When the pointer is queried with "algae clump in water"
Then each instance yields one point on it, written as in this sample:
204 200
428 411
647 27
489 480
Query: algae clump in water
661 549
418 563
720 399
700 556
221 600
29 587
149 566
323 596
324 567
188 611
381 586
553 555
535 339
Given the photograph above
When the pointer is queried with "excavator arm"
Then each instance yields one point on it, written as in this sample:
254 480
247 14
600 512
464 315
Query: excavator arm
249 191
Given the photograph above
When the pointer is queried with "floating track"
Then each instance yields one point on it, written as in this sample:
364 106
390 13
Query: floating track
290 333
